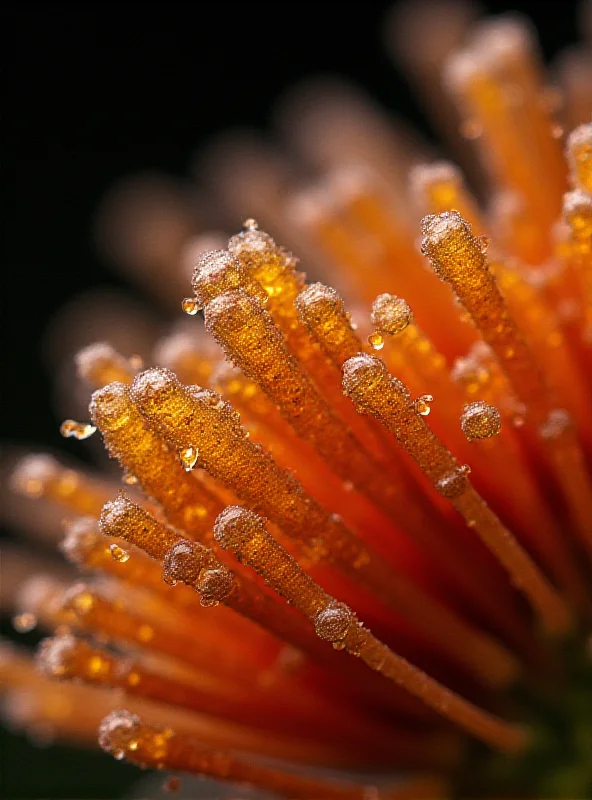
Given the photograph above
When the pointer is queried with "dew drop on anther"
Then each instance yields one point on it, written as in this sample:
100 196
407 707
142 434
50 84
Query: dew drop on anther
480 420
190 306
376 340
188 457
78 430
119 554
422 404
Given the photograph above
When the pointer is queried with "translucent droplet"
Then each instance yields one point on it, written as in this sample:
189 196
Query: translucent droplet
118 553
334 622
422 404
348 486
557 131
250 225
129 478
376 340
79 430
25 622
480 420
190 306
188 457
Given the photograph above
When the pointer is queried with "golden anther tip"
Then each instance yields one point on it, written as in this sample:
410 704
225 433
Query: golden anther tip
32 473
56 656
334 621
96 358
236 526
216 272
231 312
115 515
109 406
82 535
118 730
150 387
362 374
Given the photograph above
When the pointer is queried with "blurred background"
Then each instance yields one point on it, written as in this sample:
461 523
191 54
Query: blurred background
95 92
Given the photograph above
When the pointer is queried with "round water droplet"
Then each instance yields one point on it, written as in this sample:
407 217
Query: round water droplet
480 420
422 404
119 554
188 457
333 622
557 131
78 430
129 478
25 622
250 225
376 340
190 306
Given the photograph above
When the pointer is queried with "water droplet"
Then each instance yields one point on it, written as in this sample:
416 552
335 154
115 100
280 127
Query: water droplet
79 430
480 420
250 225
188 457
119 554
25 622
376 340
190 306
557 131
129 478
334 622
422 404
348 486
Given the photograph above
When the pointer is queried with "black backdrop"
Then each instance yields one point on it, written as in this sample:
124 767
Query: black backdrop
95 91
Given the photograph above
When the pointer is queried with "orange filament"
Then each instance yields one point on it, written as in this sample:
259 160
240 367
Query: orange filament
457 257
207 420
367 382
44 476
125 735
243 532
70 658
184 499
495 84
99 364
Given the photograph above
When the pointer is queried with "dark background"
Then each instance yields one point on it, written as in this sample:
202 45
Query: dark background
96 91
